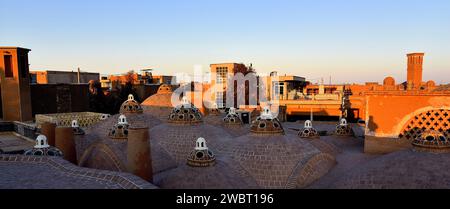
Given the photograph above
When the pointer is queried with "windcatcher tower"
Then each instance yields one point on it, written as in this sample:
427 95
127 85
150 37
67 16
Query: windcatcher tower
15 84
415 68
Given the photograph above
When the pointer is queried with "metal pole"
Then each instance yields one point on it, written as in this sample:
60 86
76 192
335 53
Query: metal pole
78 75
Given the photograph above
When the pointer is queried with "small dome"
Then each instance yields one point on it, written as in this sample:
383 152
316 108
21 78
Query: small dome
130 106
431 141
104 116
343 128
266 123
389 81
120 130
164 89
430 84
308 131
201 156
43 149
232 118
214 110
77 130
185 113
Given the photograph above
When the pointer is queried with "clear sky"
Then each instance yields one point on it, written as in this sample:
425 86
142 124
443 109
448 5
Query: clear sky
349 40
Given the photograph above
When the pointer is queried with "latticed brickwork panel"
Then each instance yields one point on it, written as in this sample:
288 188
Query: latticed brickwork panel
85 119
438 120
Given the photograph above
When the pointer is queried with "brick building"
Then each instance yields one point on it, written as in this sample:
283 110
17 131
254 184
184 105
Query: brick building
58 77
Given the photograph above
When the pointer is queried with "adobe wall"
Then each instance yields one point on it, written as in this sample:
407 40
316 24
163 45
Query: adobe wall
390 113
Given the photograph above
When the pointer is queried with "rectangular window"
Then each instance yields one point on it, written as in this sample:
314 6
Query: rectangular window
8 66
219 100
221 75
278 90
23 66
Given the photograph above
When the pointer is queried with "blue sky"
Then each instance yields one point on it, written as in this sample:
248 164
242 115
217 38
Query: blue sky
349 40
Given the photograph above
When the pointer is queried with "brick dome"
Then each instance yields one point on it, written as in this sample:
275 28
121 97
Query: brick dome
158 105
431 141
185 113
164 88
120 130
389 81
308 132
430 84
343 128
232 118
178 140
278 161
96 143
77 130
233 130
43 149
266 124
225 174
211 108
130 106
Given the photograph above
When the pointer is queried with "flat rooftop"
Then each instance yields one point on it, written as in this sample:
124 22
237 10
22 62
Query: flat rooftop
11 143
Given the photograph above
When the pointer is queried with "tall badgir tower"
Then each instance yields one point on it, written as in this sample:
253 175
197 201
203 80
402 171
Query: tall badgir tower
15 84
415 68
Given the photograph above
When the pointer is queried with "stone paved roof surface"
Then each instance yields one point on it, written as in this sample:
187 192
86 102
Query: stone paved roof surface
9 142
400 170
36 172
224 175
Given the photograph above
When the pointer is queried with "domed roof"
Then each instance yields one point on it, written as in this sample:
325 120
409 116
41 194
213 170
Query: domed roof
100 134
185 113
431 141
308 132
223 175
266 124
343 128
161 99
232 118
164 89
130 106
430 84
213 110
278 161
178 140
201 156
43 149
158 105
77 130
120 130
233 130
389 81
